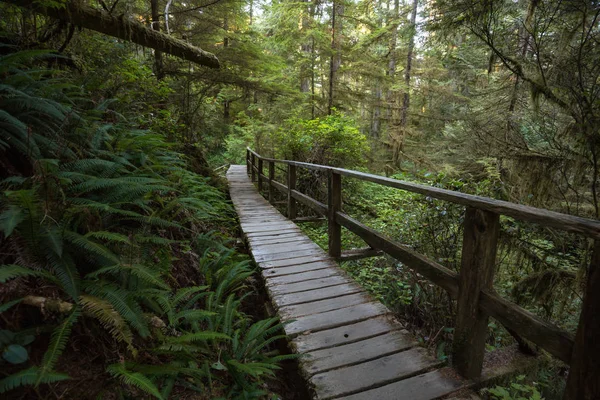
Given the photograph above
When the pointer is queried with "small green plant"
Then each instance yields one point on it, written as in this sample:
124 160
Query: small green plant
517 390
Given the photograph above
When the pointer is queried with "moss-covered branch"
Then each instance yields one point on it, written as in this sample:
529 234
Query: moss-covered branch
122 28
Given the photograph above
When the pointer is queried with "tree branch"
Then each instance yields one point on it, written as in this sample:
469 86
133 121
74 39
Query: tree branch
122 28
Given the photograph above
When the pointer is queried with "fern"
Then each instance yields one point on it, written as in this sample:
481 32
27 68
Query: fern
57 344
104 312
134 379
29 377
12 271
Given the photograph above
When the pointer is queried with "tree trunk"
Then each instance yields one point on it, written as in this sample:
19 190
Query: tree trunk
158 61
336 53
122 28
306 50
408 70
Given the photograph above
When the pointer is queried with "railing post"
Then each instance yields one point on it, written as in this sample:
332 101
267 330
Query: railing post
248 166
291 183
253 159
480 238
583 382
260 174
334 203
271 178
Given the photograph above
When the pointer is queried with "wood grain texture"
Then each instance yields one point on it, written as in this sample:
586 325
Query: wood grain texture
481 229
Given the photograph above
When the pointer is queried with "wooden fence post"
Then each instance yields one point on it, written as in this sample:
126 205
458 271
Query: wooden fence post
480 238
271 178
260 173
334 203
253 162
583 382
291 181
248 162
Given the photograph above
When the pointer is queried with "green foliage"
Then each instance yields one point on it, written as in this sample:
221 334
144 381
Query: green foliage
331 140
516 391
110 219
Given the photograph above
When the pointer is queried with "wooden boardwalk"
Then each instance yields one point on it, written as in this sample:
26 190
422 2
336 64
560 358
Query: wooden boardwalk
353 348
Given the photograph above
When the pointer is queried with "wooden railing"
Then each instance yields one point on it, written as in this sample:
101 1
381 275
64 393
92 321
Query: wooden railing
473 286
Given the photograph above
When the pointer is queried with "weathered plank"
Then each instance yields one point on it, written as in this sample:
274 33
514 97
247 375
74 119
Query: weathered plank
335 318
430 385
364 376
288 254
344 334
314 295
358 352
320 306
294 261
304 276
307 285
298 269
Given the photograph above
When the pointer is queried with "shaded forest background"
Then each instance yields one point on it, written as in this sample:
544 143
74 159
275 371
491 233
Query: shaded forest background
109 200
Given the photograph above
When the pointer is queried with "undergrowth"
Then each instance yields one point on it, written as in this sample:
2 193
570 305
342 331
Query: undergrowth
117 269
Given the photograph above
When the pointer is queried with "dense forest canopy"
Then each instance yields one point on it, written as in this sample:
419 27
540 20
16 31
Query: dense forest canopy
116 233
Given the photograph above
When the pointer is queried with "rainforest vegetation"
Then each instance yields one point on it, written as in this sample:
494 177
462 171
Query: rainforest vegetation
122 275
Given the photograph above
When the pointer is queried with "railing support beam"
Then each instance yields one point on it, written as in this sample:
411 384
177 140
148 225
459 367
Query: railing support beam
271 178
253 163
334 203
291 202
481 229
260 175
248 166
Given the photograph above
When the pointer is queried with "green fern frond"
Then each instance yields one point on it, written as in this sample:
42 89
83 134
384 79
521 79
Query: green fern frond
89 246
29 377
112 321
134 379
7 306
122 302
199 337
254 369
12 271
108 236
193 315
58 341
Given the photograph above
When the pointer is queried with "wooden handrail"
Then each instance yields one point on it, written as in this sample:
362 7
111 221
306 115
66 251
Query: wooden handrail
476 298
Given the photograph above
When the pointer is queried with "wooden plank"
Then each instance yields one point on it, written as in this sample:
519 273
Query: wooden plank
305 276
358 352
267 227
283 248
364 376
298 269
320 306
293 261
344 334
481 229
307 285
281 239
430 385
274 233
305 297
308 219
335 318
287 255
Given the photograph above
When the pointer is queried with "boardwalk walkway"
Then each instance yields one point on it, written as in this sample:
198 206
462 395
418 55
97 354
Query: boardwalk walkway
354 349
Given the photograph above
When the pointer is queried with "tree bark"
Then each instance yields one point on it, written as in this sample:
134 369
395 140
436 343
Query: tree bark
408 70
336 54
122 28
158 60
